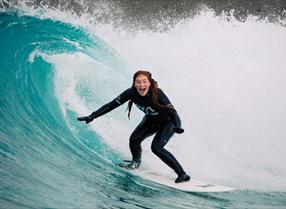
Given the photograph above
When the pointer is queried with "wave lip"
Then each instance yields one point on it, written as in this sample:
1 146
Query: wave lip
158 15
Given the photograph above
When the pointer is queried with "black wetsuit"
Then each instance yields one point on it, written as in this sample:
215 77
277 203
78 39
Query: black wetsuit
162 121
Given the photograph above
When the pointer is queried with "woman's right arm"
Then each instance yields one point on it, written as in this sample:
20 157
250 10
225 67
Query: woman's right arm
122 98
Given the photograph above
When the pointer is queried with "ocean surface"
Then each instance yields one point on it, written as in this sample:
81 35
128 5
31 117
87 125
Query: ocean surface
222 66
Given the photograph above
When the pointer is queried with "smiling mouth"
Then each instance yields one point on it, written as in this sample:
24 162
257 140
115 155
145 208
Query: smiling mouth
142 91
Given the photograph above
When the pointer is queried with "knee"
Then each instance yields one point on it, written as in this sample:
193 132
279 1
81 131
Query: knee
156 149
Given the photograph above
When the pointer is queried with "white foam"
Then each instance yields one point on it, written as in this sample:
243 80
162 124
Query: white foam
82 85
227 80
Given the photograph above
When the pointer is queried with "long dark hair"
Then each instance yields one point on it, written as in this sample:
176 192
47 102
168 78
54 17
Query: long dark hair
153 87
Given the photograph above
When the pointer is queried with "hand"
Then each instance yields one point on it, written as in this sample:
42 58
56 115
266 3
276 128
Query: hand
179 130
87 119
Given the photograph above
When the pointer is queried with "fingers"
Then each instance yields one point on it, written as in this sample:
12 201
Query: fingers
82 118
87 119
179 130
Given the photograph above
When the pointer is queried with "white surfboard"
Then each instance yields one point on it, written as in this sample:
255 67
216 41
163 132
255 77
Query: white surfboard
189 186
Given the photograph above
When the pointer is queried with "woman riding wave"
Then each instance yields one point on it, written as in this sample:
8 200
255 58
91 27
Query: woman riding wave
160 119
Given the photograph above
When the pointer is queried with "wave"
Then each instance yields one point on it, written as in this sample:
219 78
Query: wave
52 71
40 152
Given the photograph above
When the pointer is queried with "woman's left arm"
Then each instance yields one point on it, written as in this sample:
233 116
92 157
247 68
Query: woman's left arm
171 111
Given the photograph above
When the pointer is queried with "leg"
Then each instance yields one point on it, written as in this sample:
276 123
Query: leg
163 135
141 132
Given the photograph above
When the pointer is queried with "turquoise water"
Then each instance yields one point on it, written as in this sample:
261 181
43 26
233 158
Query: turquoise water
48 159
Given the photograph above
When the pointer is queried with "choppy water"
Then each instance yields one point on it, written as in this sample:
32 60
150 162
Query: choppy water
226 78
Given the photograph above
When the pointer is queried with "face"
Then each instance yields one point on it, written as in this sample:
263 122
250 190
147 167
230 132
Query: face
142 84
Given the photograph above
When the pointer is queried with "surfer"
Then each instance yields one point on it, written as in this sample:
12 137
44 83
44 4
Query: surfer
160 119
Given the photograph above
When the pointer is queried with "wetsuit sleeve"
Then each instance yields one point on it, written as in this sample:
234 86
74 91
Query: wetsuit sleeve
105 109
164 100
122 98
175 117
